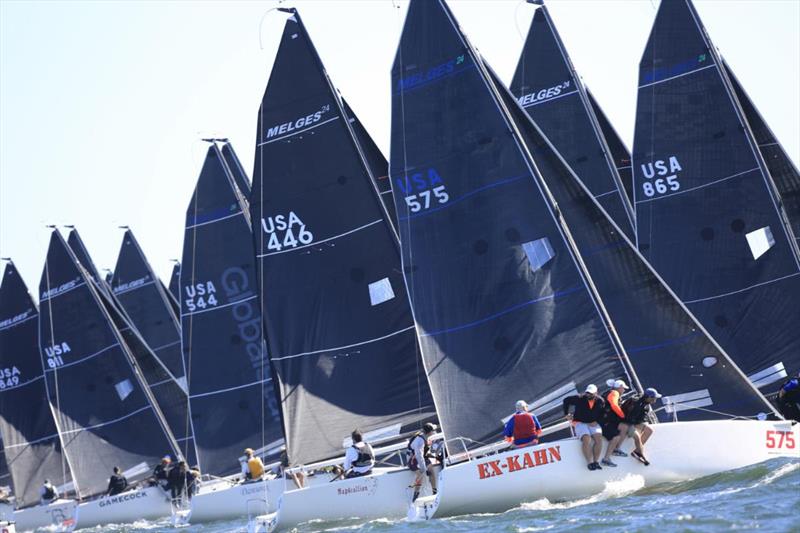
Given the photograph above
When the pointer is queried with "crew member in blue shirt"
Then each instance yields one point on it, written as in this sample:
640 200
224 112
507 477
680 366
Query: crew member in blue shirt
789 399
523 428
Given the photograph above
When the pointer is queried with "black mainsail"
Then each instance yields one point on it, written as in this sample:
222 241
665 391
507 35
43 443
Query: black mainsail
547 86
500 298
236 169
81 253
707 216
104 410
29 435
175 282
341 336
233 402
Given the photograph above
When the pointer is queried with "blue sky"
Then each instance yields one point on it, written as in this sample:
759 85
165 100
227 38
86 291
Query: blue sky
103 104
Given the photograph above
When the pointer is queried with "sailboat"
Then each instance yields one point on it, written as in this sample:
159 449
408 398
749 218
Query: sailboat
340 333
709 218
32 446
232 399
104 410
510 208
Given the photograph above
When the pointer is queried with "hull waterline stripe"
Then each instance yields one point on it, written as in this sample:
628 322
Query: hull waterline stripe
215 220
299 131
18 323
79 285
712 65
315 243
81 360
221 391
192 313
687 302
103 424
554 296
130 289
337 348
550 99
709 184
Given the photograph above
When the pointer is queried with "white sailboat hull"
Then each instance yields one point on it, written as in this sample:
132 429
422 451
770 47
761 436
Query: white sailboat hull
61 515
149 503
219 500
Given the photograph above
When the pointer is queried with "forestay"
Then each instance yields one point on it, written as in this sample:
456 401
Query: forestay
707 218
104 410
548 88
339 327
500 300
232 398
665 344
32 448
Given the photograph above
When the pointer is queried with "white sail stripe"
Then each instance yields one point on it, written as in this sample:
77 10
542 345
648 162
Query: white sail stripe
166 346
318 124
156 384
550 99
709 184
387 192
409 328
18 323
215 220
220 391
103 424
315 243
770 144
20 385
28 443
129 289
83 359
192 313
620 168
712 65
81 284
687 302
615 191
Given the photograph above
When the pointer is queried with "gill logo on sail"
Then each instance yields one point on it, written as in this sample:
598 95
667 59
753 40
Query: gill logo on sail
667 180
538 97
520 461
55 352
285 225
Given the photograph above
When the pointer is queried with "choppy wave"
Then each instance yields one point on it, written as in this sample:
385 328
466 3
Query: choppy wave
613 489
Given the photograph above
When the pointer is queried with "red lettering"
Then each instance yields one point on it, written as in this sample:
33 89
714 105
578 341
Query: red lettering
513 463
483 472
496 468
527 461
555 453
540 456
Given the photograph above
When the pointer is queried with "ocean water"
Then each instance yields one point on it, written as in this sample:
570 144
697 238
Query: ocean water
764 497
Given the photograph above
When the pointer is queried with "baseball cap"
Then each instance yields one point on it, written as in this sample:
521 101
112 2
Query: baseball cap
521 405
248 450
591 388
620 383
429 428
652 393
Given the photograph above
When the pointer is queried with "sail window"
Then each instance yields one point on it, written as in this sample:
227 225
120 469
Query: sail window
380 291
539 252
708 362
183 384
686 401
124 388
760 241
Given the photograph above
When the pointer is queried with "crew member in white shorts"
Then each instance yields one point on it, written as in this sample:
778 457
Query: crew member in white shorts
586 412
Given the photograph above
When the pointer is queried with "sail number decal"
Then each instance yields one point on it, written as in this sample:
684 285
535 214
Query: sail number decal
665 174
285 231
780 439
9 377
54 354
200 296
423 190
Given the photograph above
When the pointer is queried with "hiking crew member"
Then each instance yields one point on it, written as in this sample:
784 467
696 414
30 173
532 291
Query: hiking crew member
161 473
177 480
192 481
252 467
282 470
117 482
358 458
789 399
48 493
419 458
586 411
523 428
615 430
637 411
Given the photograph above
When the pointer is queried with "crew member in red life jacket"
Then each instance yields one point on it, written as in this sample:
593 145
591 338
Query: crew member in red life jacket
523 428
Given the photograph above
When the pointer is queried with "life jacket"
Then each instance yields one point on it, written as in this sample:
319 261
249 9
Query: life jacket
412 457
609 415
49 492
256 467
635 410
366 457
524 428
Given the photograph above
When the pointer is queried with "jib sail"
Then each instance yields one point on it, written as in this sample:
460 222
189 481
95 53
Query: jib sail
707 218
103 408
175 282
232 399
339 327
30 439
666 345
500 300
548 88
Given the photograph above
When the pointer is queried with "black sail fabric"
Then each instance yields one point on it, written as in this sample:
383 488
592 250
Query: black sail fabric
503 310
666 345
175 282
619 152
379 167
81 253
236 170
32 447
156 341
103 408
546 85
339 327
707 219
782 170
232 398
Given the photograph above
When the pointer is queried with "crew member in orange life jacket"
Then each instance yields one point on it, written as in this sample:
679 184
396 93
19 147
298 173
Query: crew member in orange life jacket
523 428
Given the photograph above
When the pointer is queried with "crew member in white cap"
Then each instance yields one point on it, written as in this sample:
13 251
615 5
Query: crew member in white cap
586 411
523 428
614 427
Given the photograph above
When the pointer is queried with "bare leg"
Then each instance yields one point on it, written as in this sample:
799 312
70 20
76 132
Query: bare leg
587 448
617 441
598 446
646 432
418 477
433 476
637 440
